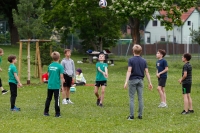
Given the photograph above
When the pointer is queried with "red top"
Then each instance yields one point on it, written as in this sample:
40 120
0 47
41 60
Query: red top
44 77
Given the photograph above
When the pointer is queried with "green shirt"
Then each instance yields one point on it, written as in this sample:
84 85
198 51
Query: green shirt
11 70
54 70
99 75
0 60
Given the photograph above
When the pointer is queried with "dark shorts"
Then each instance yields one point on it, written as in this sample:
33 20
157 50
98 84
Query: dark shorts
186 88
68 80
162 82
100 83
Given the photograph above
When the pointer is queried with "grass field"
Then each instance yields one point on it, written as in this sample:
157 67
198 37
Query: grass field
85 117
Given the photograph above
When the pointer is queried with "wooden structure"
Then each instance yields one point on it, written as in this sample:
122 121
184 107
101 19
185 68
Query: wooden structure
37 57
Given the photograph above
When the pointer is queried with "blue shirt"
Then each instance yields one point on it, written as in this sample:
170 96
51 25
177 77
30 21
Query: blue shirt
160 65
138 65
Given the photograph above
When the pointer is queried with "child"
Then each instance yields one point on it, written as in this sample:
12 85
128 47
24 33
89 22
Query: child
161 74
186 82
101 78
134 78
2 89
69 73
13 81
55 72
80 80
45 77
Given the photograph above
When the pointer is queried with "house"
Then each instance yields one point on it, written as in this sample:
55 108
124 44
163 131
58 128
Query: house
156 32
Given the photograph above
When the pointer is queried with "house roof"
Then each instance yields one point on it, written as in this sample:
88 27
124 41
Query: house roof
184 16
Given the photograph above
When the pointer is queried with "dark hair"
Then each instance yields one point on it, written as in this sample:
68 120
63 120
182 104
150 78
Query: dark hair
79 70
66 50
11 58
187 56
101 53
162 51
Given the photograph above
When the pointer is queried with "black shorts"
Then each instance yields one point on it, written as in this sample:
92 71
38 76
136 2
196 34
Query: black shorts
101 83
68 80
162 82
186 88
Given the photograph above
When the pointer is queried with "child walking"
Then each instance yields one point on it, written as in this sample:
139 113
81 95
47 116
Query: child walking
134 78
69 73
161 74
101 79
2 89
186 81
55 72
13 82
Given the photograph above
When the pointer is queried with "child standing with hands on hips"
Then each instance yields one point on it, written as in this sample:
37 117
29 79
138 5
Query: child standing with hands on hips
101 79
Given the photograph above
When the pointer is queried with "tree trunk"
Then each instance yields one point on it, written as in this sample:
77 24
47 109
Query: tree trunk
135 30
14 35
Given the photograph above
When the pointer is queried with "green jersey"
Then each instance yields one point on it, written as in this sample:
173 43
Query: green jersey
0 60
11 70
54 70
99 75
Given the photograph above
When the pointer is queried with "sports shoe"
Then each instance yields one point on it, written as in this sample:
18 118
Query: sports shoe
15 109
64 101
191 111
46 114
101 105
162 105
98 101
69 102
4 92
130 117
57 115
184 112
139 117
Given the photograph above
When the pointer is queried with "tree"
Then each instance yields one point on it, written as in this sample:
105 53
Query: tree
195 34
139 10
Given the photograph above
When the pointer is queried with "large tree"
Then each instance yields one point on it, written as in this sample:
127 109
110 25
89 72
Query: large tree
138 10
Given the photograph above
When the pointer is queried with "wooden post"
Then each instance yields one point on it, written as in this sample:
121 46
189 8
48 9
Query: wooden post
29 64
36 63
20 59
50 50
39 60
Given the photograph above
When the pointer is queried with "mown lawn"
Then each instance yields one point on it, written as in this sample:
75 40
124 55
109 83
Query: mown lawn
85 117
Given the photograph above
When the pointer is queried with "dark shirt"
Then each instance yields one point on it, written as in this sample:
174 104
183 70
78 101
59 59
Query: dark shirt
160 65
187 68
138 65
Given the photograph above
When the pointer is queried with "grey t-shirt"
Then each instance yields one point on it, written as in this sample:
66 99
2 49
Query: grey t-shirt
188 68
69 67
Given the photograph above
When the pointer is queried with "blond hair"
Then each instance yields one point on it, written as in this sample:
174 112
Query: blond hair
1 50
137 49
55 55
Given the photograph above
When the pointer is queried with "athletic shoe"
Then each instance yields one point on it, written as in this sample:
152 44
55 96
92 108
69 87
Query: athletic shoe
64 101
46 114
98 101
15 109
139 117
57 115
191 111
130 117
101 105
4 92
162 105
184 112
69 102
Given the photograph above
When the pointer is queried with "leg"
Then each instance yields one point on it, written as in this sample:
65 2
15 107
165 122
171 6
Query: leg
132 89
67 92
185 99
13 92
189 101
140 97
48 100
57 101
160 93
102 93
96 88
164 95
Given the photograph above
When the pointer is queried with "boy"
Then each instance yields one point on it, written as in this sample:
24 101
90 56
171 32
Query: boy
186 82
161 74
55 72
101 79
134 78
13 81
69 73
2 89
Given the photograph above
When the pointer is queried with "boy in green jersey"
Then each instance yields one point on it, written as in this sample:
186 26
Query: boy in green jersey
55 72
2 89
101 78
13 81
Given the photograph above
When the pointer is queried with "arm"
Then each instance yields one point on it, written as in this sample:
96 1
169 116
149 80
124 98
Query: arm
62 79
148 78
164 71
17 78
128 73
183 77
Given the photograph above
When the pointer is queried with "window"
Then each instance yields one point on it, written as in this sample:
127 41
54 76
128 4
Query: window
189 23
162 38
154 22
174 39
148 39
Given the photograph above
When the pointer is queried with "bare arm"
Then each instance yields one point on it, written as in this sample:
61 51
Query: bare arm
183 77
164 71
17 78
148 78
128 73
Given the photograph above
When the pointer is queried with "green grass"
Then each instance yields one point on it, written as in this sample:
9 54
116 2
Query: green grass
85 117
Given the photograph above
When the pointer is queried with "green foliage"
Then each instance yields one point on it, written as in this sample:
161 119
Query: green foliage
195 34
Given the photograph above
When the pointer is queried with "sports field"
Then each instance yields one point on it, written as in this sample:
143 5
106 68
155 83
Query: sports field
85 117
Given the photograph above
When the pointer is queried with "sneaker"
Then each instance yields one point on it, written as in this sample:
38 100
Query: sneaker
139 117
191 111
101 105
184 112
57 115
64 101
98 101
130 117
69 102
46 114
4 92
162 105
15 109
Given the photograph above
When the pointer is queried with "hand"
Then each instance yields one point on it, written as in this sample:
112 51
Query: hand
180 81
0 69
19 84
158 75
150 86
125 85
